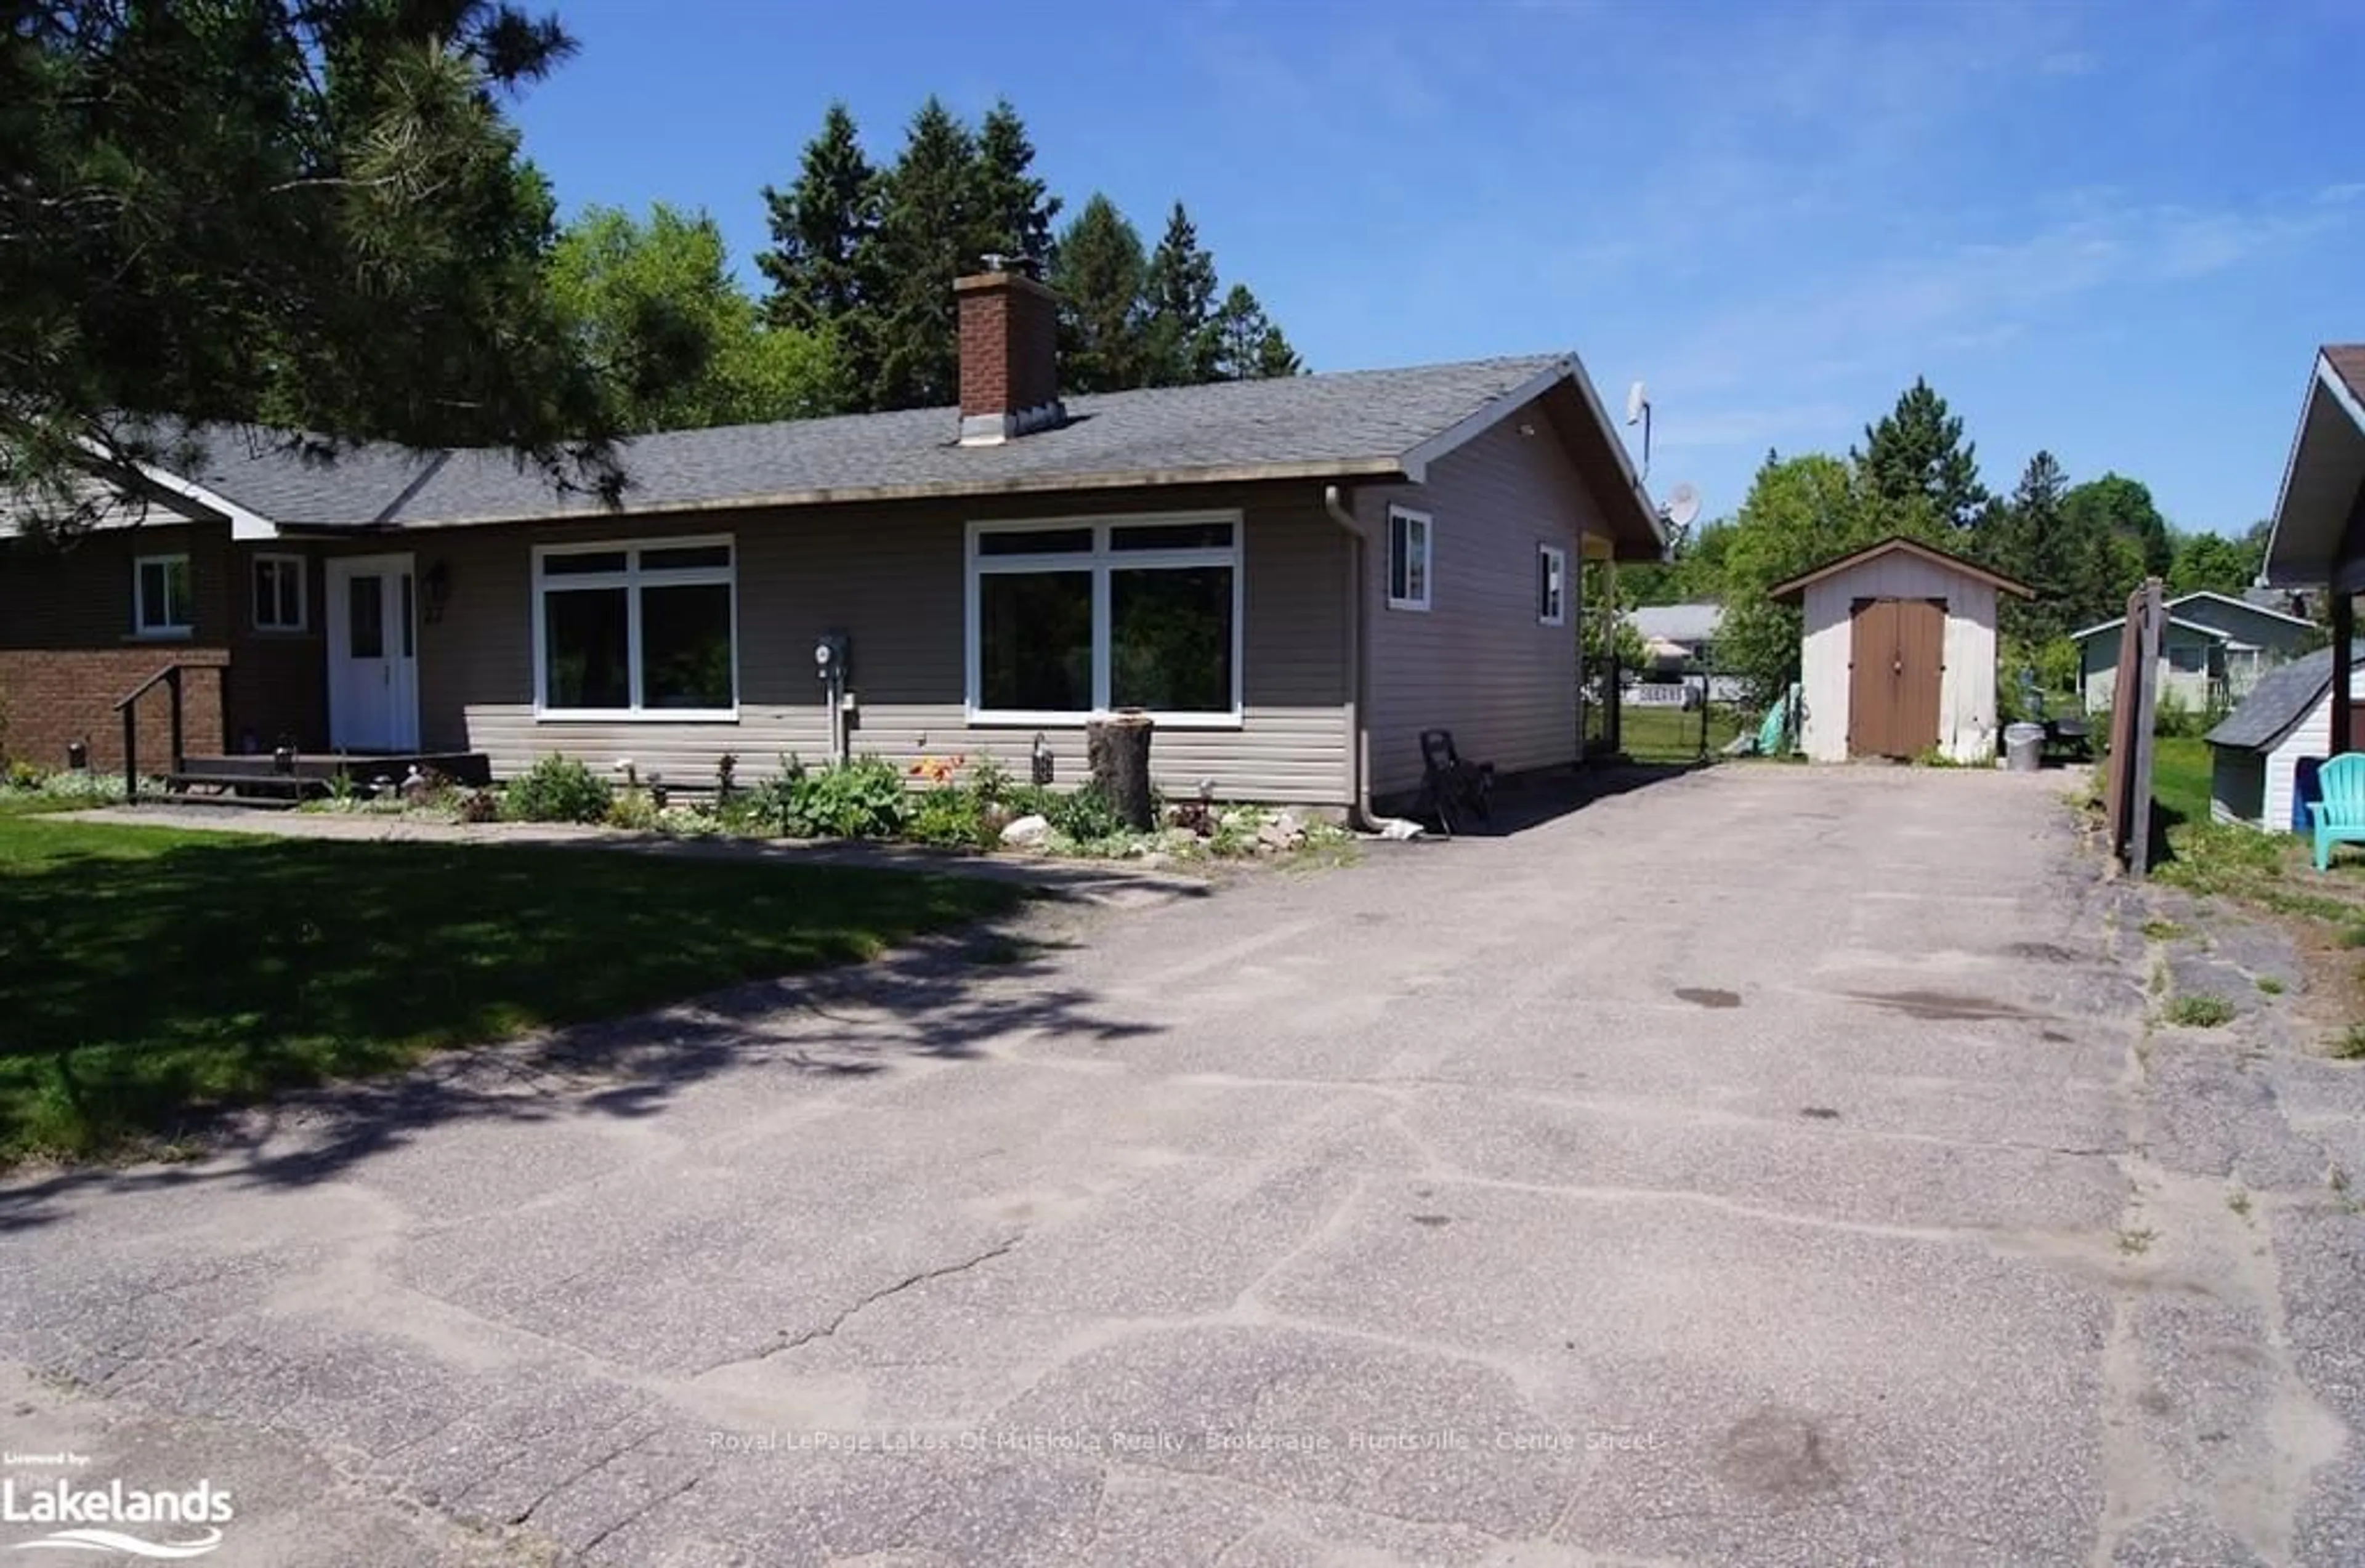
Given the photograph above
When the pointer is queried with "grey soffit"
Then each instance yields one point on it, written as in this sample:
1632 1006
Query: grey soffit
2279 700
1342 423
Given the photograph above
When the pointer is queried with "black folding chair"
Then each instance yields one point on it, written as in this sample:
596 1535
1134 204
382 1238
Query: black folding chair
1449 785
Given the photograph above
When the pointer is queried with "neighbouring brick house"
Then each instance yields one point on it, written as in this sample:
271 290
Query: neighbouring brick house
1296 577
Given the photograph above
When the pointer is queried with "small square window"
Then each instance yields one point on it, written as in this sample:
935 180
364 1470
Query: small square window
279 593
1408 559
161 599
1552 585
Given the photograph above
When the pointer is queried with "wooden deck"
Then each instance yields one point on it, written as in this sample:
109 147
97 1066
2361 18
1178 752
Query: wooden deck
262 777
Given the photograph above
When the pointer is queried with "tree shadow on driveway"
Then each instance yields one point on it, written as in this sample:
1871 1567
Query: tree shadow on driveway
309 977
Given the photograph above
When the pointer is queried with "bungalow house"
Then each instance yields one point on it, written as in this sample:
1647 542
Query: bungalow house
2318 539
2212 651
1294 576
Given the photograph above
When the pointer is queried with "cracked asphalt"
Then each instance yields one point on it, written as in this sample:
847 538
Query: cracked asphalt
1767 1166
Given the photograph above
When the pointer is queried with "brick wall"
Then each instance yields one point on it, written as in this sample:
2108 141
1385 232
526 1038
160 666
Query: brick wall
50 697
68 651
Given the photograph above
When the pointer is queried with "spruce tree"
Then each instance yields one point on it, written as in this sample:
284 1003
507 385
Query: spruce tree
1918 450
822 264
1276 358
932 229
1097 272
1180 296
1016 209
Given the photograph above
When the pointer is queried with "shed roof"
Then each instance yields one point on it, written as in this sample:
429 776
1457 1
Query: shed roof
1900 545
2282 697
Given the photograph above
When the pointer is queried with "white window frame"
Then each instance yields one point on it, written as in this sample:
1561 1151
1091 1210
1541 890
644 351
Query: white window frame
1552 585
303 592
631 579
184 622
1099 562
1410 519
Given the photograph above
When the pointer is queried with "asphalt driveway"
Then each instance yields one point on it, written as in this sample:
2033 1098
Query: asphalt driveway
1771 1166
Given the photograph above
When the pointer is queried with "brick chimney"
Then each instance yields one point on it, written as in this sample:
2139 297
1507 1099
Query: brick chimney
1009 356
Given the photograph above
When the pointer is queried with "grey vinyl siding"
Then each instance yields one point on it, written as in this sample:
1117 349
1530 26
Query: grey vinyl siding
1477 661
893 580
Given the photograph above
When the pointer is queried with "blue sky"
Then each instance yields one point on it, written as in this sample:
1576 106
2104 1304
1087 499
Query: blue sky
2117 231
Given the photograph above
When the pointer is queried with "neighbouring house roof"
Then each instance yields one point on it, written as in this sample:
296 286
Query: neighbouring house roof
2203 597
2282 697
1677 622
1901 546
2325 470
1378 424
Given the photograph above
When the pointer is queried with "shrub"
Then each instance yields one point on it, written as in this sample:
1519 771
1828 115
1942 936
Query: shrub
1084 814
558 789
952 817
862 798
632 810
25 776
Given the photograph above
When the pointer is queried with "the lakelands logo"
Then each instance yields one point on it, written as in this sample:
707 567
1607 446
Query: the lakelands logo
171 1525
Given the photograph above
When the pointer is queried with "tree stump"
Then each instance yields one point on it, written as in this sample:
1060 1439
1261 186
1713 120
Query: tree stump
1117 751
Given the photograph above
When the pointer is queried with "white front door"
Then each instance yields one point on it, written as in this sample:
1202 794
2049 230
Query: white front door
372 654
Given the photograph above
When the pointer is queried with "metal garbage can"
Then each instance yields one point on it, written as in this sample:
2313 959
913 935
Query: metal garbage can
2024 747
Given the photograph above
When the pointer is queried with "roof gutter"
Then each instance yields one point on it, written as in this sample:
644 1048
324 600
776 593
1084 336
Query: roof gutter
1360 815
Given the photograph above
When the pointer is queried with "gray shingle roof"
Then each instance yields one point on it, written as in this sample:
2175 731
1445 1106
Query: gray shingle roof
1228 429
2280 700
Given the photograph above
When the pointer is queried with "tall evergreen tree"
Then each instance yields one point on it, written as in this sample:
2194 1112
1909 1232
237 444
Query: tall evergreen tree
1097 272
1016 209
1180 289
1249 347
1918 450
822 264
1276 358
2075 566
932 229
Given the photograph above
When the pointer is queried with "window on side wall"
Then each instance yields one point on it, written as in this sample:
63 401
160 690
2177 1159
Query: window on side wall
1408 558
279 593
1075 617
161 598
1552 585
647 629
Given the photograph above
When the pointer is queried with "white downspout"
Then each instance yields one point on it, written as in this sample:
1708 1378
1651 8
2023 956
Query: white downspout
1360 815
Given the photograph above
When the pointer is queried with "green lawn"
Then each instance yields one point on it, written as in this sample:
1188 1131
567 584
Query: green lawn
2179 777
1660 734
151 974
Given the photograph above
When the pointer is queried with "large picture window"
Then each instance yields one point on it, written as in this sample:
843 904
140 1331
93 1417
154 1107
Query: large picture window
1067 619
637 628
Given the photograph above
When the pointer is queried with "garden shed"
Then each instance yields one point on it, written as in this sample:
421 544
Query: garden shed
1898 654
2257 754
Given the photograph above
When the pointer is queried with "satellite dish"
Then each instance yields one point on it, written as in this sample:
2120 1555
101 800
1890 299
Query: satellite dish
1636 401
1683 506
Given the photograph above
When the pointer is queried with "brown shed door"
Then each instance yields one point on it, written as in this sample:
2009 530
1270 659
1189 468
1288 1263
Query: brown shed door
1898 654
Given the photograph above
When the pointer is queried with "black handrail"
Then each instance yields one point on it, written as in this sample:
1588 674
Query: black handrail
129 706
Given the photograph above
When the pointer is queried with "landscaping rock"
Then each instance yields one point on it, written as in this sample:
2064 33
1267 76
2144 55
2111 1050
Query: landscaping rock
1027 832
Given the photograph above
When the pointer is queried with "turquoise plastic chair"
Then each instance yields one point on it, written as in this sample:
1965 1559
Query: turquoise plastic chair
2340 816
